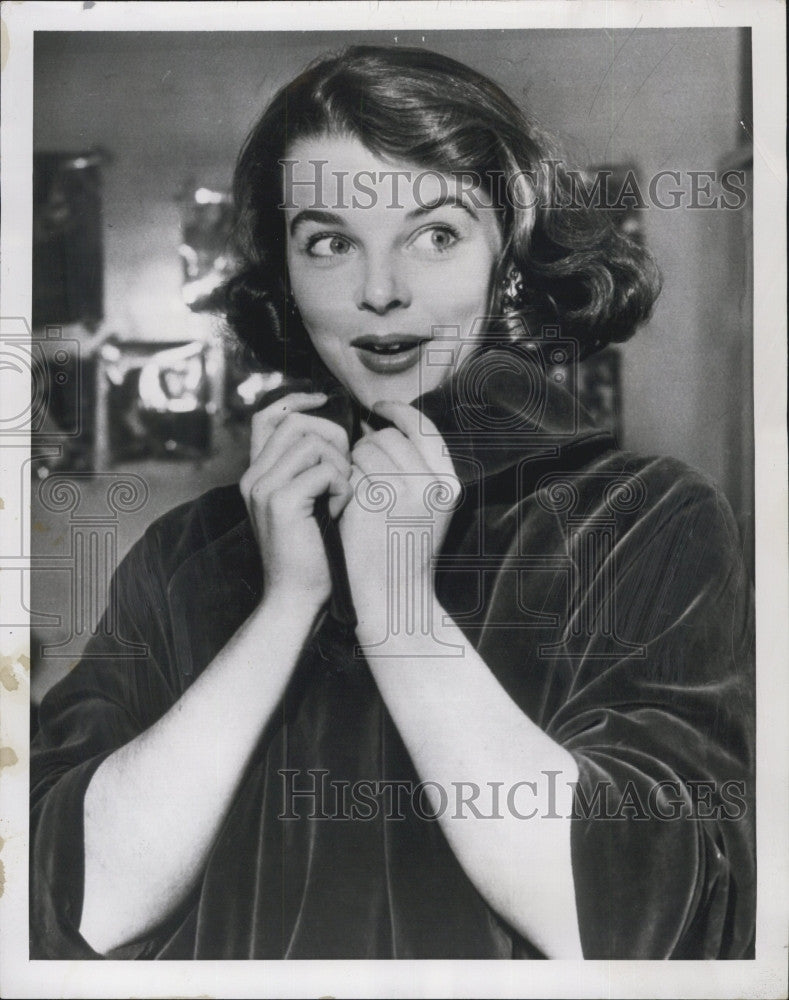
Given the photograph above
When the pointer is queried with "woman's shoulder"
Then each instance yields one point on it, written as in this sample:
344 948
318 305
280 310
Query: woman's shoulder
195 525
657 476
632 488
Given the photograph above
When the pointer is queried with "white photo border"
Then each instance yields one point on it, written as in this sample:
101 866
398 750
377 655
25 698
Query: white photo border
765 976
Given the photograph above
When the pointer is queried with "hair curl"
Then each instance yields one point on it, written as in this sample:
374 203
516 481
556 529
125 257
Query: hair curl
419 107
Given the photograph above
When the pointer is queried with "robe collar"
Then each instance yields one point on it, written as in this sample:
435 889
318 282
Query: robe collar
505 404
505 408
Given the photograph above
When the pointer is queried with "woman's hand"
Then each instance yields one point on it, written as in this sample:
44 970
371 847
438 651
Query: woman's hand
141 858
399 472
295 458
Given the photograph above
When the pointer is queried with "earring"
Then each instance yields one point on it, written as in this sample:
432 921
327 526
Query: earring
511 291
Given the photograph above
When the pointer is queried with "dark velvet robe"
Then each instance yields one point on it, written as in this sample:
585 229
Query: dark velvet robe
607 594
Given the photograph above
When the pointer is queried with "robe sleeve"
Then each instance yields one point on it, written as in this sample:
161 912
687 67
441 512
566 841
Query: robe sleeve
119 688
663 734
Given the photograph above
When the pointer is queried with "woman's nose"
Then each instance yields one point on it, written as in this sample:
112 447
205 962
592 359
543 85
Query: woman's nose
383 288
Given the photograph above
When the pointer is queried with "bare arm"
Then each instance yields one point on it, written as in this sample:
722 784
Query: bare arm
154 807
456 720
461 726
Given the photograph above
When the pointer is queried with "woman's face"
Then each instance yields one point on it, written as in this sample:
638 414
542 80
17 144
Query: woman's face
389 272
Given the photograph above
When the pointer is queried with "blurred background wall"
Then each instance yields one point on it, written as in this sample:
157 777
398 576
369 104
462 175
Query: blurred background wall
175 107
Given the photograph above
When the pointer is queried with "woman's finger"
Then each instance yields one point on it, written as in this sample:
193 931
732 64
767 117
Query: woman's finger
266 421
404 455
340 492
373 460
307 452
304 489
292 428
420 431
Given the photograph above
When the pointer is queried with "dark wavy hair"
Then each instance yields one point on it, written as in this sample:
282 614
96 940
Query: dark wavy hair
416 106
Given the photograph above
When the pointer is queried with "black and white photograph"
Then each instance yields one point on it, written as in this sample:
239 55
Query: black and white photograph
394 509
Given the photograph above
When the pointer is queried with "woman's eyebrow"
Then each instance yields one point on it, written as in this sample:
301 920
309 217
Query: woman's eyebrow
448 199
331 219
314 215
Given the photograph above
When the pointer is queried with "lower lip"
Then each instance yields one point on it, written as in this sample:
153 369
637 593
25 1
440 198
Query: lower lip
390 364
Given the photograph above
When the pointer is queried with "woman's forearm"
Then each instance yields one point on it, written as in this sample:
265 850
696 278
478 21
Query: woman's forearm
155 806
461 726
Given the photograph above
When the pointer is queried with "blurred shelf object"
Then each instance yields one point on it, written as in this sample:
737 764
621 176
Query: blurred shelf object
245 384
153 399
68 250
206 224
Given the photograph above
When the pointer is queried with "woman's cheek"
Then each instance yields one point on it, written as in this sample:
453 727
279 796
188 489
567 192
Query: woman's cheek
461 296
467 314
325 299
319 308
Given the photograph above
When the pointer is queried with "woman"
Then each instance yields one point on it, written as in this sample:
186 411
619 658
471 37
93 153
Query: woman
448 675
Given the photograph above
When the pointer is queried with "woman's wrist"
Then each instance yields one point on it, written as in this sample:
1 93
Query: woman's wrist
297 609
414 619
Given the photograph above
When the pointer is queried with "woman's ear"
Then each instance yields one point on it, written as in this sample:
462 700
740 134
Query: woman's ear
511 294
508 302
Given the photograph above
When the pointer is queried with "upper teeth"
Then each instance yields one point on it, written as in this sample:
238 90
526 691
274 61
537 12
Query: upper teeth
392 348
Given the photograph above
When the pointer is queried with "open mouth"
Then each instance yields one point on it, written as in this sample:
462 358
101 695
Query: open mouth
396 348
389 354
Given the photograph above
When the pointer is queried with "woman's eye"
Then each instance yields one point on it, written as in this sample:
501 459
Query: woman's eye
437 239
328 245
